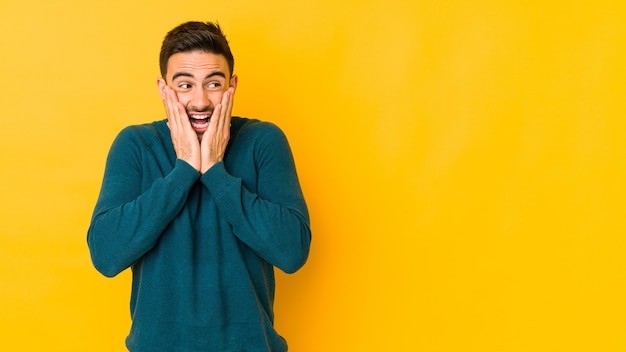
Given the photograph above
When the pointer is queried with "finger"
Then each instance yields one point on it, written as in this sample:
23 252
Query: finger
231 98
173 107
216 118
229 106
226 106
222 114
170 109
176 110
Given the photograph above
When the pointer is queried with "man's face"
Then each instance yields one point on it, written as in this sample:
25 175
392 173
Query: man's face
199 80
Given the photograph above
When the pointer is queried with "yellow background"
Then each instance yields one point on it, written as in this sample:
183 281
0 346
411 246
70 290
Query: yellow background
463 162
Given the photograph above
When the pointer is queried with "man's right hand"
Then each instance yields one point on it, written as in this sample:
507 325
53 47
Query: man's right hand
184 138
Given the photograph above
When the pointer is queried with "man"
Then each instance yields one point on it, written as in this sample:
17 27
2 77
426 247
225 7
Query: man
201 206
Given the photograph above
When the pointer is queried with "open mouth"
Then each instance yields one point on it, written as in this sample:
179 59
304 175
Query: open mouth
200 122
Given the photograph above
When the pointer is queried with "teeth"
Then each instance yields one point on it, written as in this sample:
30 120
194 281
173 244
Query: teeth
199 121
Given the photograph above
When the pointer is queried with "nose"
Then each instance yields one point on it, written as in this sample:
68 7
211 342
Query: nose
199 100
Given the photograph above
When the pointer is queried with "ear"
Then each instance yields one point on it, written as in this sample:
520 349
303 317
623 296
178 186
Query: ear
233 82
161 85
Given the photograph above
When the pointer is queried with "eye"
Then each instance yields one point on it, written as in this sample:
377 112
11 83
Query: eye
214 85
184 86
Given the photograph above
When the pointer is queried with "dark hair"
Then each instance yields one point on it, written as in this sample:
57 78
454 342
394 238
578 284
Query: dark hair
191 36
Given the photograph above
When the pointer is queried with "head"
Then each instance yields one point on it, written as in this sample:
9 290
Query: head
196 62
192 36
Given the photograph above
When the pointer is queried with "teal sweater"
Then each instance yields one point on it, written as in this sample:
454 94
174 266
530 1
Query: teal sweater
202 248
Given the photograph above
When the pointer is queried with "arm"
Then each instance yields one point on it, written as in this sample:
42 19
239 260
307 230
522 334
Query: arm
274 222
127 221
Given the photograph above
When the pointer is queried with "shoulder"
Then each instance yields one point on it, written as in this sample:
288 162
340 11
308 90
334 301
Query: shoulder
146 133
256 129
261 139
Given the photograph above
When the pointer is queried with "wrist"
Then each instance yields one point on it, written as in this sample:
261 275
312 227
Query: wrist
207 166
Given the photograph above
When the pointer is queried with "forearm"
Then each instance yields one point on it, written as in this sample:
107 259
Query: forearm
122 230
278 230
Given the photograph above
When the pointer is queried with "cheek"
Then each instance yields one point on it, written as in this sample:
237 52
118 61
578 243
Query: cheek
216 97
184 98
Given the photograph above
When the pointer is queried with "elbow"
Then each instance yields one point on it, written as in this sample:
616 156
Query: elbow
105 267
291 266
296 256
106 270
102 259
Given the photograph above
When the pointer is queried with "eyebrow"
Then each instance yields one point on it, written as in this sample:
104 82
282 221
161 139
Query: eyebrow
210 75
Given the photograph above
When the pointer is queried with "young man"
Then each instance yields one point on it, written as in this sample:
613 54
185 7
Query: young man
201 206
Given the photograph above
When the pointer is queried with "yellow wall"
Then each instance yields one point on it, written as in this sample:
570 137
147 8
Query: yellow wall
463 162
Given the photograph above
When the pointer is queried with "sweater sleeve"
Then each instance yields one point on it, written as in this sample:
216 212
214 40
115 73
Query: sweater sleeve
274 221
127 220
